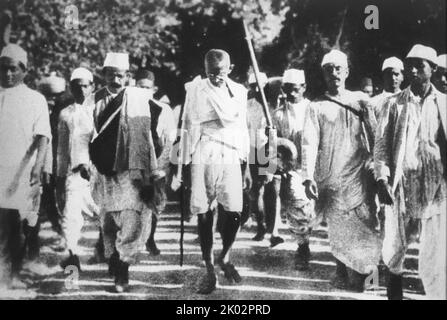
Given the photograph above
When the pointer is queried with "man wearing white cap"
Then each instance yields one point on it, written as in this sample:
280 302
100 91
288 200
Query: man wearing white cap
53 88
24 136
288 120
335 164
123 152
410 167
75 130
392 75
440 77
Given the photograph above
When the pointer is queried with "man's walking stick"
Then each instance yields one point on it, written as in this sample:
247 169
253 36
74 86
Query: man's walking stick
269 130
255 67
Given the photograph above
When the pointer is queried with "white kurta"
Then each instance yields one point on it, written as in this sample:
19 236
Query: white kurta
23 116
334 155
75 130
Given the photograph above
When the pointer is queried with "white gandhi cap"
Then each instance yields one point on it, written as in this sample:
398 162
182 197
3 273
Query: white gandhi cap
336 57
117 60
294 76
81 73
15 52
423 52
394 63
442 61
262 78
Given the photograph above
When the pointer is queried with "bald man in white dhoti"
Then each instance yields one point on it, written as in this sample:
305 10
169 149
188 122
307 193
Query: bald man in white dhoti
215 120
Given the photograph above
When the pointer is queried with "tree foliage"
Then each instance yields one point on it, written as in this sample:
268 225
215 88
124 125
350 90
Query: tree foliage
171 36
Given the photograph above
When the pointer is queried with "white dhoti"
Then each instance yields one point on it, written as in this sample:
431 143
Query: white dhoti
432 254
16 193
215 176
78 200
353 240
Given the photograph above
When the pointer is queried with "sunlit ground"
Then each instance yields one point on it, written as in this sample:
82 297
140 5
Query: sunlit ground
267 273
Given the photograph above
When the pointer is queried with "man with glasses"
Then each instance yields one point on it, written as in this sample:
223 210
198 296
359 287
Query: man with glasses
215 120
410 167
336 159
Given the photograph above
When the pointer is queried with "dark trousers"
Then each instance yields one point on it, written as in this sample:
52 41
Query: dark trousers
11 239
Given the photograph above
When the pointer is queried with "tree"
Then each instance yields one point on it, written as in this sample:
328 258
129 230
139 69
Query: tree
312 28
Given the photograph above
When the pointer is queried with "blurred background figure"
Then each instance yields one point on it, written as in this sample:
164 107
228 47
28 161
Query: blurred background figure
163 120
366 86
256 127
75 131
440 76
53 88
392 76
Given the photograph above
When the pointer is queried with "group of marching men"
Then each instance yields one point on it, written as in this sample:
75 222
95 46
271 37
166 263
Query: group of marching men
373 169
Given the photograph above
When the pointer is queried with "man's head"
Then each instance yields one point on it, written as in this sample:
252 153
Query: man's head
52 87
13 64
440 78
293 85
366 86
81 84
217 66
335 70
392 74
146 79
420 64
115 68
253 84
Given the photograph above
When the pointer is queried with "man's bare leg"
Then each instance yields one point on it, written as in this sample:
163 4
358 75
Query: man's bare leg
272 205
228 226
208 282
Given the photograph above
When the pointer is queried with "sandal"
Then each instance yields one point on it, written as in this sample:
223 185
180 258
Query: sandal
230 272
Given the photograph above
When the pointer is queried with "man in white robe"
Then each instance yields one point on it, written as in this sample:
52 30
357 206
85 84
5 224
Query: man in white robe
24 136
166 132
335 156
75 130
